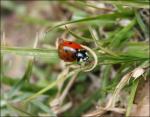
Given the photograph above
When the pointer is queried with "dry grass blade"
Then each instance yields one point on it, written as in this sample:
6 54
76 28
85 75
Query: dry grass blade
56 104
63 74
111 104
49 86
65 92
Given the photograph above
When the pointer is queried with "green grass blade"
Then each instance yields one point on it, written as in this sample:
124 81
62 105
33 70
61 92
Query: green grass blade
19 111
21 82
53 84
143 27
106 76
44 107
38 52
121 36
131 97
107 59
86 104
78 37
132 3
104 17
100 44
41 91
27 86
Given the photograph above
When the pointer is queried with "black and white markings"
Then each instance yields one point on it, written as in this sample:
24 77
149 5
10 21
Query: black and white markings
82 55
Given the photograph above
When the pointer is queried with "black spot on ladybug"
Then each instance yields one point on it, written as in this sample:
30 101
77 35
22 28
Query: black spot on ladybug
66 51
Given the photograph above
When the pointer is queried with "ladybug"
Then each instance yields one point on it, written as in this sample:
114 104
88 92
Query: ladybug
70 51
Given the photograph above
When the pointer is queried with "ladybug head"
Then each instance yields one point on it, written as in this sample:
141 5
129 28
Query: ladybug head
82 55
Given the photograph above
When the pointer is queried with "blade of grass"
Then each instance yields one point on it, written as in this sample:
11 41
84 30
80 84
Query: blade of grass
143 27
106 80
141 52
77 36
131 97
40 92
120 8
107 59
19 111
92 5
112 16
121 36
53 84
124 69
51 53
100 44
94 35
26 76
86 104
44 107
106 76
21 82
132 3
27 86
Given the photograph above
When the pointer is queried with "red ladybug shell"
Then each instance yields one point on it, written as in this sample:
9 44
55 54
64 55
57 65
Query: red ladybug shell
67 50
